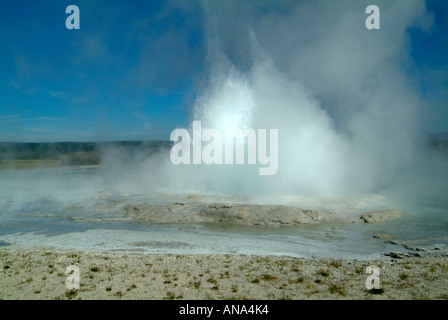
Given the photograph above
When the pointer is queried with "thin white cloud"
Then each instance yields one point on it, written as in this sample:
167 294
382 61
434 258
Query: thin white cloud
57 94
16 84
23 86
49 118
8 119
16 118
93 50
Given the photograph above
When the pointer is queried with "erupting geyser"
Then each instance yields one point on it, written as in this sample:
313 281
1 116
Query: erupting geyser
336 92
345 107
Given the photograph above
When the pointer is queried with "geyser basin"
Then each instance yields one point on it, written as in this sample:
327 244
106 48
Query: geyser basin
99 222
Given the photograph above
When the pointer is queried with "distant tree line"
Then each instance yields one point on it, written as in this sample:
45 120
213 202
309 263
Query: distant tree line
74 153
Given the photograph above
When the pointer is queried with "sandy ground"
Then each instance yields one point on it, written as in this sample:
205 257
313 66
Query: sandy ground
41 274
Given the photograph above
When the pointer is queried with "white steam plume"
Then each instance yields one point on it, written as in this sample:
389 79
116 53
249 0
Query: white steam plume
339 94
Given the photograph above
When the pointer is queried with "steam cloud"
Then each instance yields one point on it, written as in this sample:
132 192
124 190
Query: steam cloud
339 94
347 113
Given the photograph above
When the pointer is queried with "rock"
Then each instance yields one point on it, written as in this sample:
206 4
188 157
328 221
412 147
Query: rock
381 215
246 214
401 255
264 215
169 213
385 236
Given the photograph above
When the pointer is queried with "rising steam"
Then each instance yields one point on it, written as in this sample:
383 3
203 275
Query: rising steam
346 112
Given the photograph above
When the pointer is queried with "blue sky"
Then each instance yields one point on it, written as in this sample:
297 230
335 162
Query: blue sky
132 71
